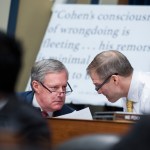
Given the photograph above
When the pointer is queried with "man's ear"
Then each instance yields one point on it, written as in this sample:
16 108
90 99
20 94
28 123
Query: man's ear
115 79
35 86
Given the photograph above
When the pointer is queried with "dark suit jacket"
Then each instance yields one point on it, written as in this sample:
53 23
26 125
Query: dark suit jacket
24 120
28 97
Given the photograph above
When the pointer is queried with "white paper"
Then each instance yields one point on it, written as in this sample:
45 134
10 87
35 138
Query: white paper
81 114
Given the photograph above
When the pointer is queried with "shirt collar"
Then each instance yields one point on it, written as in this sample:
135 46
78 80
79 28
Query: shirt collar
36 104
134 88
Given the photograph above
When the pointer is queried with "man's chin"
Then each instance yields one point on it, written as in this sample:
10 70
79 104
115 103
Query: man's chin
58 107
111 100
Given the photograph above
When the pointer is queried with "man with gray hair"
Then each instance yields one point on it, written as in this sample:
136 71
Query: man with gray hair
114 77
49 82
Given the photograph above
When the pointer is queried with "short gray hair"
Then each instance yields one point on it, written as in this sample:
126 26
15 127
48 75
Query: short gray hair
45 66
110 62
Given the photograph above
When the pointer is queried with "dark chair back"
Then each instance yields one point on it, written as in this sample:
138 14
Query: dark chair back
90 142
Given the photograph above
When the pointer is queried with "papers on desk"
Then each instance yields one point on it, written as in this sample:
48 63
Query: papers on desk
81 114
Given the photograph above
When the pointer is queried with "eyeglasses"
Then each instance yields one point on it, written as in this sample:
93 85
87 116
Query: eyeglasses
67 91
98 87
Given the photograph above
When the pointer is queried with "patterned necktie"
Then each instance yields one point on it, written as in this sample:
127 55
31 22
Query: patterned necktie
129 104
44 114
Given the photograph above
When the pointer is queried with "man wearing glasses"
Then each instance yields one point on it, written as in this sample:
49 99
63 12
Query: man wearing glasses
49 82
114 77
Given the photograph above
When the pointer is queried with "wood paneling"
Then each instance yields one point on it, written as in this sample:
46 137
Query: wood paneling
65 129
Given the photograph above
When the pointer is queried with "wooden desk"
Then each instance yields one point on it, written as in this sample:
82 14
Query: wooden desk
65 129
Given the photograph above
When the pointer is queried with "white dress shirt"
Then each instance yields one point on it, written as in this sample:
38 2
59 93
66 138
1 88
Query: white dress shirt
36 104
139 93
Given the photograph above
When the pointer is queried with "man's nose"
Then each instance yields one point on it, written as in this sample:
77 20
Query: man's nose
99 91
